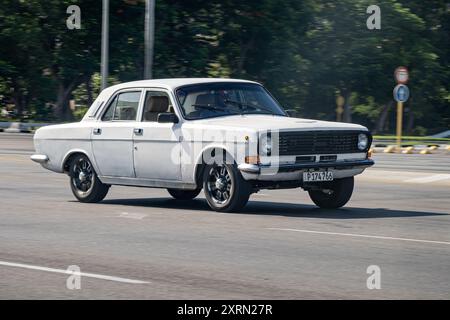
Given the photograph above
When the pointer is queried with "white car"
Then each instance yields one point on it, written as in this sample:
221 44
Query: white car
229 137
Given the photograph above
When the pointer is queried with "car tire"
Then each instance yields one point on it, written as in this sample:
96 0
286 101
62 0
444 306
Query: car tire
85 185
225 188
180 194
334 194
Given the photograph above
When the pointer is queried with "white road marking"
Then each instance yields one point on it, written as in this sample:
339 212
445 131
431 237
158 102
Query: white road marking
428 179
137 216
83 274
360 235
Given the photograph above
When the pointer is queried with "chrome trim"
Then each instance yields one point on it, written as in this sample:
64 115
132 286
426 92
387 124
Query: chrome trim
249 168
253 168
39 158
152 183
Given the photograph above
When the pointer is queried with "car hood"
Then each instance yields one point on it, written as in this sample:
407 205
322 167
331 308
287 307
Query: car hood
268 122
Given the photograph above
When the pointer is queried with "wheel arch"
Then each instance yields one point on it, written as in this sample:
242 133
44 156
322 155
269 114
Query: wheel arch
71 154
200 163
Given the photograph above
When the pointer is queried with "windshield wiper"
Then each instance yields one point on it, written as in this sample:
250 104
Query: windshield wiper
207 106
213 108
242 104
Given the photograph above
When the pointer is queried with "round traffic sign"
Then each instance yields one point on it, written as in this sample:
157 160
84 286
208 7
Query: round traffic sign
401 93
401 75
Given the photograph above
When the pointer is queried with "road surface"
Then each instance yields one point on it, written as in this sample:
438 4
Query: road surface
139 243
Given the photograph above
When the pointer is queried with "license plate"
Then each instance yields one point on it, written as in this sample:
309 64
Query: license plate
317 176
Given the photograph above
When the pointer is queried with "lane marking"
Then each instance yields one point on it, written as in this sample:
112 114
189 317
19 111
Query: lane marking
83 274
360 235
428 179
137 216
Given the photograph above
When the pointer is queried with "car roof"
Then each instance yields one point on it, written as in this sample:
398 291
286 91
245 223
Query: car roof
172 83
169 84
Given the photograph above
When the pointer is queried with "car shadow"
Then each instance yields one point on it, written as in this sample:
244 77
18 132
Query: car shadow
275 209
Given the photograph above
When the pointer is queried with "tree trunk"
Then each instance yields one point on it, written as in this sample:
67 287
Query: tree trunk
90 98
63 112
347 108
410 122
383 117
19 100
62 108
243 54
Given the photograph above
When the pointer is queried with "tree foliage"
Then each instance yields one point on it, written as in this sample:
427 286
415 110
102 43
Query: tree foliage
305 52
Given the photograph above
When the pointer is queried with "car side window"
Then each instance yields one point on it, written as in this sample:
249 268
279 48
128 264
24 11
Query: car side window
108 115
155 102
123 107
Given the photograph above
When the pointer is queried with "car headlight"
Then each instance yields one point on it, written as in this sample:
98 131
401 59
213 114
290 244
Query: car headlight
265 145
363 141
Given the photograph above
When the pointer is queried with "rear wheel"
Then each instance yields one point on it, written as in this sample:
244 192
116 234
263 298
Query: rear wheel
184 194
333 194
85 185
225 188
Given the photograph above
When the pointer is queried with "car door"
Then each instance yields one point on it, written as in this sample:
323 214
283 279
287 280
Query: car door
157 145
112 136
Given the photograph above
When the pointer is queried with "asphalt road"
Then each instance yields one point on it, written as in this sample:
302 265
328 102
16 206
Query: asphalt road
139 243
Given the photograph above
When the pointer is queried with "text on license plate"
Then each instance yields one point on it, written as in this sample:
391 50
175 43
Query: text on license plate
318 176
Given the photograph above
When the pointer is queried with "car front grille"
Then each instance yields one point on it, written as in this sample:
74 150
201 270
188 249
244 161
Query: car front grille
318 142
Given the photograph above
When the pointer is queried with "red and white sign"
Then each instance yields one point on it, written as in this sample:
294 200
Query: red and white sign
401 75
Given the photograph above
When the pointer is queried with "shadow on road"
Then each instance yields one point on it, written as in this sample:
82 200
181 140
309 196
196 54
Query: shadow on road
275 209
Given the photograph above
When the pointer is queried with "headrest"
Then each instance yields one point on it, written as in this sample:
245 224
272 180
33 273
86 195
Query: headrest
157 104
205 99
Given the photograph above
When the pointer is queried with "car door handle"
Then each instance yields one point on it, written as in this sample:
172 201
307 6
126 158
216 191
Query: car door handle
138 131
97 131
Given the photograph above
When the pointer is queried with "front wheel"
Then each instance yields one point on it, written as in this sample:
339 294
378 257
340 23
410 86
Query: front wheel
225 188
334 194
85 185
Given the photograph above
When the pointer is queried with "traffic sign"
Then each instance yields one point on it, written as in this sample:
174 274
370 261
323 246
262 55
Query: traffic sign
401 75
401 93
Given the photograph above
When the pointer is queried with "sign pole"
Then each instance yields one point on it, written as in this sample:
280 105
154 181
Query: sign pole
399 125
401 95
149 35
105 43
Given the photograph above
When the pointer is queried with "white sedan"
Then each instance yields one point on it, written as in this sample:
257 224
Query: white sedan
229 137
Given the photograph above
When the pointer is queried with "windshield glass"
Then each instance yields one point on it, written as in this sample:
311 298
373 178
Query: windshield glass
220 99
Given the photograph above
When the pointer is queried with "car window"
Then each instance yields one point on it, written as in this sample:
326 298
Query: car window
123 107
155 102
108 115
221 99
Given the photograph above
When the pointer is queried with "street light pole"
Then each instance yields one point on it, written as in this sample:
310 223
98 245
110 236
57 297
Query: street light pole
105 43
149 38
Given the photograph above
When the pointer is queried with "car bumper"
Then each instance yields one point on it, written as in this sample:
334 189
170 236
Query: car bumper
293 171
39 158
353 164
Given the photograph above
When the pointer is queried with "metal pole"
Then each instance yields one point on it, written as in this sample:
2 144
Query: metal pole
149 37
105 43
399 125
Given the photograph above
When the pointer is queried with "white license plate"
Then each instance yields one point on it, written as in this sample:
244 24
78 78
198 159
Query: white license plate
317 176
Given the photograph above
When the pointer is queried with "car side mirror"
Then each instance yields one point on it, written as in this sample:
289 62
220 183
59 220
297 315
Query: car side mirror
167 117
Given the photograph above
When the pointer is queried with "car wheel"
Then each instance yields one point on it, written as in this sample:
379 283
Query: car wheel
334 194
85 185
225 188
184 194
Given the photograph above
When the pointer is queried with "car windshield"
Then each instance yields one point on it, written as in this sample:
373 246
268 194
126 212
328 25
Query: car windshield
209 100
